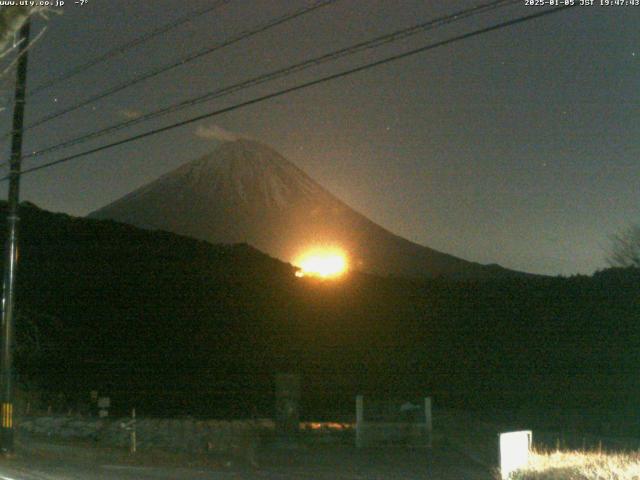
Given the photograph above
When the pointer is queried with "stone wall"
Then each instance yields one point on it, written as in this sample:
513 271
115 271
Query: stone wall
235 437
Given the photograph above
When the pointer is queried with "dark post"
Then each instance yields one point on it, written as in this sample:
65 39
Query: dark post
11 249
287 407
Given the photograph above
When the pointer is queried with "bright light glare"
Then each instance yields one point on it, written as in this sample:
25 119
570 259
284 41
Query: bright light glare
323 263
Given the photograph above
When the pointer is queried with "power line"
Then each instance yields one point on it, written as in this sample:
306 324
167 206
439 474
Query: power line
284 72
183 61
300 87
127 46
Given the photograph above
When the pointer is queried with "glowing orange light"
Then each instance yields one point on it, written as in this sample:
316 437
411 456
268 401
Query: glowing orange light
326 426
323 263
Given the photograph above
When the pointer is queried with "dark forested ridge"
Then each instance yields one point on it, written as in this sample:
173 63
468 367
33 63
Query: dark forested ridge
176 325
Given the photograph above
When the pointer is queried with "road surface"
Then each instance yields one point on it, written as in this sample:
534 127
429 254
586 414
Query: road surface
321 463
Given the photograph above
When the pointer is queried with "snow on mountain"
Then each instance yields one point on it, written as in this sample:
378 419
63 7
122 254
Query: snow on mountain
245 191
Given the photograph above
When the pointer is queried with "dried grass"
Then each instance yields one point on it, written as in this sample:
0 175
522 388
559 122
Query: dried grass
579 465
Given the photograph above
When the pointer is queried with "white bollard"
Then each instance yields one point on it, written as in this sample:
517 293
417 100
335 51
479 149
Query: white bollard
514 451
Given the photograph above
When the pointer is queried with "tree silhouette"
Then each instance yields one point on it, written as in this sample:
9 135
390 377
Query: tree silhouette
625 248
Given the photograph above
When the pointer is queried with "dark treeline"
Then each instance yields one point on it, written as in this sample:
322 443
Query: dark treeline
178 326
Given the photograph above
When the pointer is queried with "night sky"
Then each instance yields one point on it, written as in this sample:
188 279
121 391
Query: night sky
519 147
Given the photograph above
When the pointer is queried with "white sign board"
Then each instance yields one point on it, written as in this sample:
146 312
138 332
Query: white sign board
514 451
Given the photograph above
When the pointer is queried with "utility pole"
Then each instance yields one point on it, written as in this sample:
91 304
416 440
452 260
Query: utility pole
11 249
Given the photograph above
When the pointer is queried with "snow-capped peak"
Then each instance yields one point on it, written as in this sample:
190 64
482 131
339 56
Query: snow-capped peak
249 171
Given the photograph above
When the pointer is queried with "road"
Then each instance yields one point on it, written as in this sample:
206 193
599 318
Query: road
321 463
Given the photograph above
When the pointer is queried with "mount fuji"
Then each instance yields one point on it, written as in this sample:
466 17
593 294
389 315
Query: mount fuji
246 192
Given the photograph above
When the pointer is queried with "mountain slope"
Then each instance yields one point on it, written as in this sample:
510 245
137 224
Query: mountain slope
246 192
